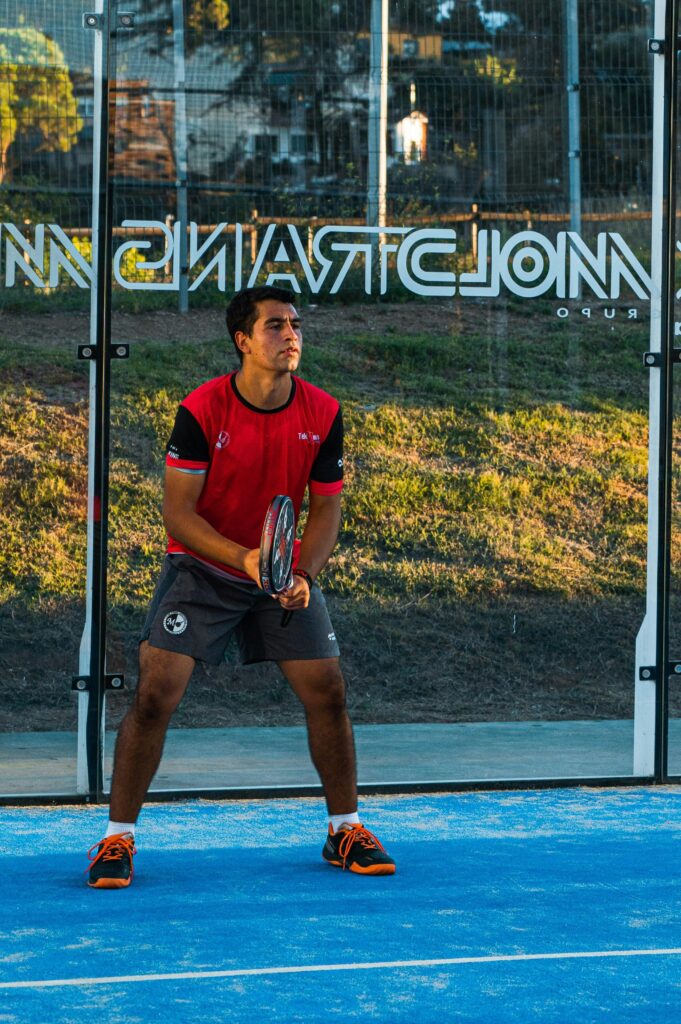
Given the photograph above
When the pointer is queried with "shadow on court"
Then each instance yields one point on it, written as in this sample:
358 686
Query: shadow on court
507 907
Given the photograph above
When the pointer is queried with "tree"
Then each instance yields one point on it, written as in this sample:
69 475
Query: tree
206 21
205 17
36 94
210 13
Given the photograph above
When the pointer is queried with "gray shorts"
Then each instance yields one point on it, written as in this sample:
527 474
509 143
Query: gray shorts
194 611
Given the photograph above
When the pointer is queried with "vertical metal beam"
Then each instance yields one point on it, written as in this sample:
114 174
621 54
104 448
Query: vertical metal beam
378 115
85 698
100 332
666 385
574 113
180 108
652 642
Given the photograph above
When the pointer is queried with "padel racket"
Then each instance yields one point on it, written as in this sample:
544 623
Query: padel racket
276 548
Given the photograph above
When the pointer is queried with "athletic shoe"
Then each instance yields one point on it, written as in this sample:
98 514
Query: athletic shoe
111 866
357 849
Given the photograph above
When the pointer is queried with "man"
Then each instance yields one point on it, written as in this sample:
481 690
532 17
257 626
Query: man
238 441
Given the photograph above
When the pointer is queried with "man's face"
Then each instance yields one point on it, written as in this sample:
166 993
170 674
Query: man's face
276 341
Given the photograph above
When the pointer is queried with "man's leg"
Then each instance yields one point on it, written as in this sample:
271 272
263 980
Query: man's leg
163 679
320 687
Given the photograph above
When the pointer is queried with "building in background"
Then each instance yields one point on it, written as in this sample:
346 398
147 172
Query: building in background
277 102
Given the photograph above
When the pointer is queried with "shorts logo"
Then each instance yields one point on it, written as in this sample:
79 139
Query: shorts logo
175 623
332 636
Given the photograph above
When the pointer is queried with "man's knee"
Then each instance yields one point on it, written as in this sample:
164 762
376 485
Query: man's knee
324 688
163 679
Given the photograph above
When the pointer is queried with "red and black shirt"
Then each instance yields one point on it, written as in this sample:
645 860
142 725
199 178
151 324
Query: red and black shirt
249 455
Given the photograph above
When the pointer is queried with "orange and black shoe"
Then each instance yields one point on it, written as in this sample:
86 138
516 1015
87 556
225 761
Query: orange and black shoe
357 849
111 864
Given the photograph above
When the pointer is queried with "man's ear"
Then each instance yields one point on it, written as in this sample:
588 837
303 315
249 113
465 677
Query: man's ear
242 342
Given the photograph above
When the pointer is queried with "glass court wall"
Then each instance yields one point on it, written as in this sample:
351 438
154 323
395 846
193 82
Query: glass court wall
46 120
461 201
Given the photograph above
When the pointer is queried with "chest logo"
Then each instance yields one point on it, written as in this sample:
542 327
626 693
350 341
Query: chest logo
223 439
309 437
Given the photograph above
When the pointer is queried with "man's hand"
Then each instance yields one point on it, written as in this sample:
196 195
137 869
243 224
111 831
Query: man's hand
297 596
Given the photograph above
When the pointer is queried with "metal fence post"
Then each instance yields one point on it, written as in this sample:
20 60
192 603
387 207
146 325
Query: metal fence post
180 122
93 645
652 643
574 113
378 115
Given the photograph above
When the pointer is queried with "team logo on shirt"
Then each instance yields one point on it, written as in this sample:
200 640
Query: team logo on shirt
175 623
223 439
309 436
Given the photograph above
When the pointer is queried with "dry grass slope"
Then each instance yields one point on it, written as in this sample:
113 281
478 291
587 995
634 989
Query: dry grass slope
491 564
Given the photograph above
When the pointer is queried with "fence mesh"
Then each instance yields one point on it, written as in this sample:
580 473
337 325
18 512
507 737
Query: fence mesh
509 444
251 110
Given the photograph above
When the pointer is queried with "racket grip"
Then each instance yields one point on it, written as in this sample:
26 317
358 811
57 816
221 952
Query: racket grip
286 618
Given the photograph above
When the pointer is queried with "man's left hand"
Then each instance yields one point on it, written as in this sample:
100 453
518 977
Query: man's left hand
297 595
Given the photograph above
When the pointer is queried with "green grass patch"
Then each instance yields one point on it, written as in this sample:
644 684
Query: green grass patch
476 463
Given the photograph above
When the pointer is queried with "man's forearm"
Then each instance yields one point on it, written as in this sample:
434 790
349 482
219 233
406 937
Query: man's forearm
195 533
319 536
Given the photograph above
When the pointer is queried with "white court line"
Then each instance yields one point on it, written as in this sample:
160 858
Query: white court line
125 979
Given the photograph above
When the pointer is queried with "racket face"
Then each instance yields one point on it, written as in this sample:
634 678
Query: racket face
276 545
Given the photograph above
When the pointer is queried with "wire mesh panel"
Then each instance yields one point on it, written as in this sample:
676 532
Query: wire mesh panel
480 311
46 113
458 195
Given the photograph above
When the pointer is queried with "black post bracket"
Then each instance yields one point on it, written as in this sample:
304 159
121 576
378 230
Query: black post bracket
658 48
648 673
93 20
653 359
124 19
116 351
81 684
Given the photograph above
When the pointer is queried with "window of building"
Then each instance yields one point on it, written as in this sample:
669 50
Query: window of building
266 145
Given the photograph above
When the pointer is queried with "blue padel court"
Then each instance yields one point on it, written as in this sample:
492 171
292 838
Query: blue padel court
508 907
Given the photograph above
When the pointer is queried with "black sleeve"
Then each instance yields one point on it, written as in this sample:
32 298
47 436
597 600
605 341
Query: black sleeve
328 466
187 442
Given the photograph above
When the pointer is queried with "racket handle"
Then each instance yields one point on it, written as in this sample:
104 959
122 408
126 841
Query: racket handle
286 618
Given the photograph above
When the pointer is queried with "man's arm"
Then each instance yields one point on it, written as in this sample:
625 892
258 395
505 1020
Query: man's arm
184 524
317 543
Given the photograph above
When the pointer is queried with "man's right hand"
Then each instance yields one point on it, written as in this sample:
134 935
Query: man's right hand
252 564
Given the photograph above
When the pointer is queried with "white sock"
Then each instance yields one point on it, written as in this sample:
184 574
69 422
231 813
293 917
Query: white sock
338 820
115 828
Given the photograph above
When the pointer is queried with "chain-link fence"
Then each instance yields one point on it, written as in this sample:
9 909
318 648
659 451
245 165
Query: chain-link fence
253 111
458 150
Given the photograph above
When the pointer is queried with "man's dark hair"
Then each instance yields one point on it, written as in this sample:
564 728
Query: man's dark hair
242 312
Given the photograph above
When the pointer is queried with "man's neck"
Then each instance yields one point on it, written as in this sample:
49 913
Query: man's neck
264 391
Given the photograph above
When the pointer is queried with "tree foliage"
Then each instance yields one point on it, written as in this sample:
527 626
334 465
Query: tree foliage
36 94
206 16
